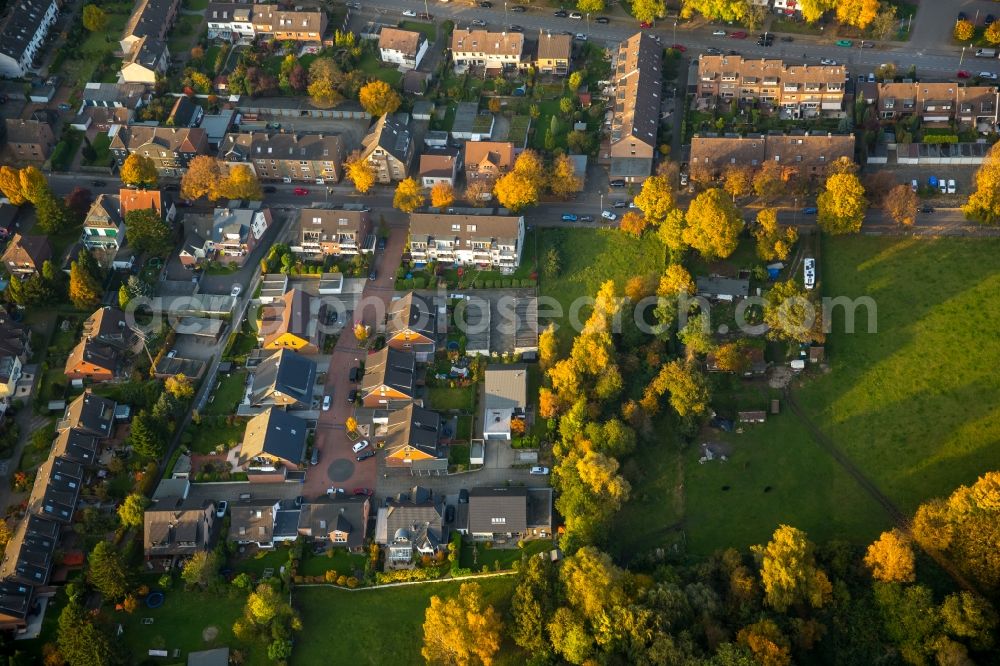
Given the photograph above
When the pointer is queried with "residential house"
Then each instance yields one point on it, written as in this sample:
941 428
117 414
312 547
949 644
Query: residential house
185 113
29 140
270 22
798 155
230 21
488 160
148 60
236 232
341 522
409 526
110 326
939 103
291 322
150 18
491 242
15 349
327 232
722 288
89 414
554 54
404 48
637 70
284 379
389 380
388 147
170 148
264 522
92 360
800 91
104 228
195 250
412 435
273 439
22 34
491 51
25 255
178 531
410 326
114 95
438 166
507 515
286 156
154 200
506 398
76 446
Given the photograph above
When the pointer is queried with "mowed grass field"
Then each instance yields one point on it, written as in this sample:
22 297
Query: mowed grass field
916 405
381 626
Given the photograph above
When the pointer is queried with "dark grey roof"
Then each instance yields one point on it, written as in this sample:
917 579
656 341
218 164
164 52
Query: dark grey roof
411 312
90 413
24 18
76 445
393 136
275 433
149 18
286 522
391 367
498 510
286 372
183 112
722 286
16 598
630 167
344 515
149 53
416 427
421 521
216 657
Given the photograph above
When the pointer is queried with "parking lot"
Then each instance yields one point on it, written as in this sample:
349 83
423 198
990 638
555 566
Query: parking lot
962 174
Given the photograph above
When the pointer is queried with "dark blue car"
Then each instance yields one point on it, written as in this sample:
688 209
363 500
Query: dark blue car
811 210
569 217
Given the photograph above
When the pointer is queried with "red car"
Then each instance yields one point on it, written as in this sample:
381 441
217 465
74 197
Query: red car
679 47
363 491
963 74
645 24
301 191
738 35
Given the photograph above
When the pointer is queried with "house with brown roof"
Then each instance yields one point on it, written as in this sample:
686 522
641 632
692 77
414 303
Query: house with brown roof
488 241
389 380
638 86
110 326
104 228
286 156
438 165
274 439
291 322
154 200
939 102
236 232
411 435
403 48
799 91
491 51
488 160
801 155
554 54
333 232
25 255
270 22
388 148
411 325
94 361
29 140
172 531
341 522
150 18
170 148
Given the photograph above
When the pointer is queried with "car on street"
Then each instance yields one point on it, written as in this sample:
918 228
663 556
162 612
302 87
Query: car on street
988 75
235 291
827 61
989 20
480 23
616 183
576 15
381 243
787 39
585 218
352 396
355 374
327 399
711 50
463 496
360 446
516 28
580 37
963 74
300 191
608 215
569 217
810 210
952 189
684 178
409 12
314 460
365 492
486 4
732 52
372 275
518 9
739 34
221 508
943 185
620 204
562 13
645 25
603 20
97 183
449 514
539 471
679 47
867 45
331 491
926 209
846 43
365 456
719 33
425 16
269 189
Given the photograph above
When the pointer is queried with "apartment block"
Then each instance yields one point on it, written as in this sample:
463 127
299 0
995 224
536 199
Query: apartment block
803 155
488 241
285 156
333 232
21 35
638 90
170 148
491 51
939 102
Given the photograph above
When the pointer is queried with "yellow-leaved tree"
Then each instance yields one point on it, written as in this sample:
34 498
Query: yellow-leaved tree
859 13
675 280
564 181
516 191
984 203
139 170
964 30
813 10
10 185
548 347
378 98
842 204
789 571
656 199
713 225
201 178
789 313
240 183
442 195
633 224
409 195
647 11
773 240
738 181
360 172
891 558
462 630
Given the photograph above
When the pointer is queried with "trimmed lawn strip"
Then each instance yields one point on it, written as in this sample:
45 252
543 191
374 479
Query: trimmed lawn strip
213 431
228 395
489 558
444 398
372 66
429 30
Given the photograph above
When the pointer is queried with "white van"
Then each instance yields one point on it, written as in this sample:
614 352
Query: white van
809 270
986 53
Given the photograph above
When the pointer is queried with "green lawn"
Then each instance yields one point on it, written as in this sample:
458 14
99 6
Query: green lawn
213 431
444 398
429 30
228 395
80 68
381 626
101 145
340 561
196 5
372 66
183 35
489 558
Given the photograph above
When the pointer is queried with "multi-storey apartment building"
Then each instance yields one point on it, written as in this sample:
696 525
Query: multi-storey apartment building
491 51
170 148
488 241
285 156
332 231
388 147
22 33
152 19
939 102
271 22
638 76
802 154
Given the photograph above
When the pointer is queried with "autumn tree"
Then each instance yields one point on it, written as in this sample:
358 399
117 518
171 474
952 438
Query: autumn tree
884 22
361 333
351 424
732 357
132 510
147 232
478 192
179 386
107 571
738 181
859 13
842 164
891 558
409 195
442 195
901 204
139 170
10 185
240 184
360 172
789 571
648 10
984 203
516 191
78 202
671 230
325 79
94 18
688 389
971 617
461 630
84 289
842 204
675 280
656 199
813 10
548 347
564 182
992 33
696 336
770 647
201 178
633 224
964 30
774 242
716 10
790 314
5 533
713 225
639 287
34 185
768 183
529 164
201 569
378 98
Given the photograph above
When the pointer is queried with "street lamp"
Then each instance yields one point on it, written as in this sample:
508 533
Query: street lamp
675 32
602 202
962 57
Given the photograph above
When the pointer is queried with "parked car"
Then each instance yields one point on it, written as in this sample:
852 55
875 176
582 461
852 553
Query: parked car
381 243
603 20
645 25
608 215
739 34
867 45
314 460
269 189
352 396
827 61
913 185
952 189
425 16
580 37
787 38
585 218
365 456
518 9
409 12
569 217
235 291
562 13
617 183
360 446
711 50
172 353
811 210
327 399
355 374
97 183
620 204
846 43
366 492
719 33
943 185
539 471
989 20
926 209
486 4
516 28
962 16
988 75
331 491
576 15
679 47
463 496
372 275
300 191
221 508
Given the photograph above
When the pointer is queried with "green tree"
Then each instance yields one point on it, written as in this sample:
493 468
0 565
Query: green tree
82 641
132 510
789 571
648 10
697 335
533 602
147 435
970 617
107 572
52 215
790 314
147 232
201 569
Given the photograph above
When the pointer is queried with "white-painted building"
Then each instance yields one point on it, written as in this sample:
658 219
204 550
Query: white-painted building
405 48
22 33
